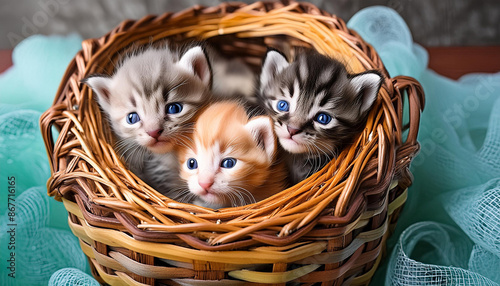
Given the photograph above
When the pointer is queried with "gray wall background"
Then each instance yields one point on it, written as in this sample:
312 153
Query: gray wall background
432 22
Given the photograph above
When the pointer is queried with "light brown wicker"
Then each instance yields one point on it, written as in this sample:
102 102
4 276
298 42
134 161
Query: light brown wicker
329 229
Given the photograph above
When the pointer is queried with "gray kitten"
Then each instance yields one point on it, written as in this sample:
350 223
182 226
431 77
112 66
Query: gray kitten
152 101
153 96
317 106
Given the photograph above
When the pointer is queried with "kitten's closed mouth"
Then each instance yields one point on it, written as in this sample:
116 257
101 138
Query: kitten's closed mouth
161 146
208 193
160 140
289 140
210 197
293 146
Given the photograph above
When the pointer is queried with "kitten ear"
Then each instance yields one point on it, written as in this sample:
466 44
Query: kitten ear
100 84
195 60
274 63
366 86
261 128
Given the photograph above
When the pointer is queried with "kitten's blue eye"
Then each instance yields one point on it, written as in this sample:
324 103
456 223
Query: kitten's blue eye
174 108
192 164
228 163
133 118
323 118
282 105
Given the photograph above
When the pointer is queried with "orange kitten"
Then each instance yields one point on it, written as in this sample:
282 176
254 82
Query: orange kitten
232 159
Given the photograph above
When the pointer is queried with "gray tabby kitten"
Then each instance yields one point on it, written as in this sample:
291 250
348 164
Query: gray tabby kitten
152 101
317 106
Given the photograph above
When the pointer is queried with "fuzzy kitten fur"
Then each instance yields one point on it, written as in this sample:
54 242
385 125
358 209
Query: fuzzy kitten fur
318 108
152 101
231 160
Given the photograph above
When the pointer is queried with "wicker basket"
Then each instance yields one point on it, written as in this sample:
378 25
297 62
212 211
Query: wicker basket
329 229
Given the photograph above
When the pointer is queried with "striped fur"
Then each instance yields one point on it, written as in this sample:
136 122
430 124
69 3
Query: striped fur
146 82
314 84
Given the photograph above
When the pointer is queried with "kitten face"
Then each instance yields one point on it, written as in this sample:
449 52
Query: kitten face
229 157
153 97
316 106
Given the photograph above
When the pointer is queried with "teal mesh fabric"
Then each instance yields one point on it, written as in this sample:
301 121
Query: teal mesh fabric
33 226
449 231
476 210
39 64
484 262
422 251
71 277
40 250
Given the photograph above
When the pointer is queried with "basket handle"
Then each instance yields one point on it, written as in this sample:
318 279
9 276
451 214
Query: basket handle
47 120
416 100
46 129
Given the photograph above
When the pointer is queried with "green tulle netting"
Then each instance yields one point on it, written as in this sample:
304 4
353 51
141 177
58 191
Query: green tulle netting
448 233
42 239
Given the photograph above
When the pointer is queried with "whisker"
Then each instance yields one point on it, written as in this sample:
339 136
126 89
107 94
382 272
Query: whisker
246 193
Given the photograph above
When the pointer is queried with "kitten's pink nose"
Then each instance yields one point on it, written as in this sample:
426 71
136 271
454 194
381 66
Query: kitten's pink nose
155 133
292 130
206 184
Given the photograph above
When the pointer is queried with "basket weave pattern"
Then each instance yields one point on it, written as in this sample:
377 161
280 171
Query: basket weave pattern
330 228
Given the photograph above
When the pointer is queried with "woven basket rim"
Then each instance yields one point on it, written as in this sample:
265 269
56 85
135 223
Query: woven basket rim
103 189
